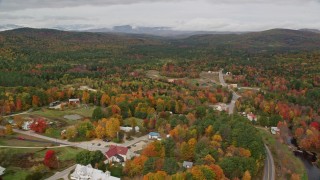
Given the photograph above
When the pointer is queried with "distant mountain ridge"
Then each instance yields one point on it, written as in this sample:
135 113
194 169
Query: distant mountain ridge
269 39
284 40
128 29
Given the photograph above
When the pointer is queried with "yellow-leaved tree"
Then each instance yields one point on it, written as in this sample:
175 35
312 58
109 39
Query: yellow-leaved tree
112 127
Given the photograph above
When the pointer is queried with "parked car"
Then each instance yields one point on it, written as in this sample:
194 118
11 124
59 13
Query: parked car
21 138
99 144
106 140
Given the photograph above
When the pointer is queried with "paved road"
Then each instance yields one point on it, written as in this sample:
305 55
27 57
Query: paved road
269 169
235 96
25 112
250 88
222 82
83 145
63 174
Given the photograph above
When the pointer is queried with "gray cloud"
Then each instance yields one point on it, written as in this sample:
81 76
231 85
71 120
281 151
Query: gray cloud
217 15
11 5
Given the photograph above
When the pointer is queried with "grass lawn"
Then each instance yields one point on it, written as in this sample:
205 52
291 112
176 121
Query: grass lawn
29 141
61 123
64 154
20 161
48 113
212 76
283 158
139 121
15 173
116 170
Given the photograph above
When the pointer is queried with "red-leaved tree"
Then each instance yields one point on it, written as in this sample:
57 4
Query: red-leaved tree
50 159
38 125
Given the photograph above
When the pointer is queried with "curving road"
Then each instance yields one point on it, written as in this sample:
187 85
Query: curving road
63 174
269 169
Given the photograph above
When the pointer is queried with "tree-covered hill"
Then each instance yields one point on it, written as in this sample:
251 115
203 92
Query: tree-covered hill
274 39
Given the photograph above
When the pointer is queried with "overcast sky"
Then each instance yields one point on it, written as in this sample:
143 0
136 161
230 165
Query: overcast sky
215 15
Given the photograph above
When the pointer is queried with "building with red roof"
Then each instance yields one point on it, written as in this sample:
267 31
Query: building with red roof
118 154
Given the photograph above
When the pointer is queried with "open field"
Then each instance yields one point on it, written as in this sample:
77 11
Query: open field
48 113
284 159
21 160
62 118
214 76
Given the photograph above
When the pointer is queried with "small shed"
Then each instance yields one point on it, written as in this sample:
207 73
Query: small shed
74 101
275 130
187 164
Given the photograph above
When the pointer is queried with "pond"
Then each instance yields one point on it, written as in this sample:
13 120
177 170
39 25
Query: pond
308 160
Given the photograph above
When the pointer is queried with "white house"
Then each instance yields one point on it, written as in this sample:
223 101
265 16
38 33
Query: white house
233 85
26 125
83 88
74 101
128 129
154 135
55 103
87 172
187 164
220 107
2 169
252 117
118 154
275 130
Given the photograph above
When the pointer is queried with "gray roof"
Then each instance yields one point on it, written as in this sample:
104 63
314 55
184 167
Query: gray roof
2 169
187 164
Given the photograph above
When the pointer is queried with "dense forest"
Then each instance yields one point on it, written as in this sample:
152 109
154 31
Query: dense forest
40 66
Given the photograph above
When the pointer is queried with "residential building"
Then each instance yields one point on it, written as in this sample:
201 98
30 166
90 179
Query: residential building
87 172
154 135
26 125
74 101
220 107
2 169
128 129
275 130
187 164
233 85
118 154
55 103
252 117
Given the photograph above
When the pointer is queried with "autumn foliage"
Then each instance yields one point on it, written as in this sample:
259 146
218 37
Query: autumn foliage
50 159
38 125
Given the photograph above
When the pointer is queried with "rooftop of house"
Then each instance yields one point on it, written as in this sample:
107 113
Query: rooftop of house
114 150
2 169
154 134
187 164
87 172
